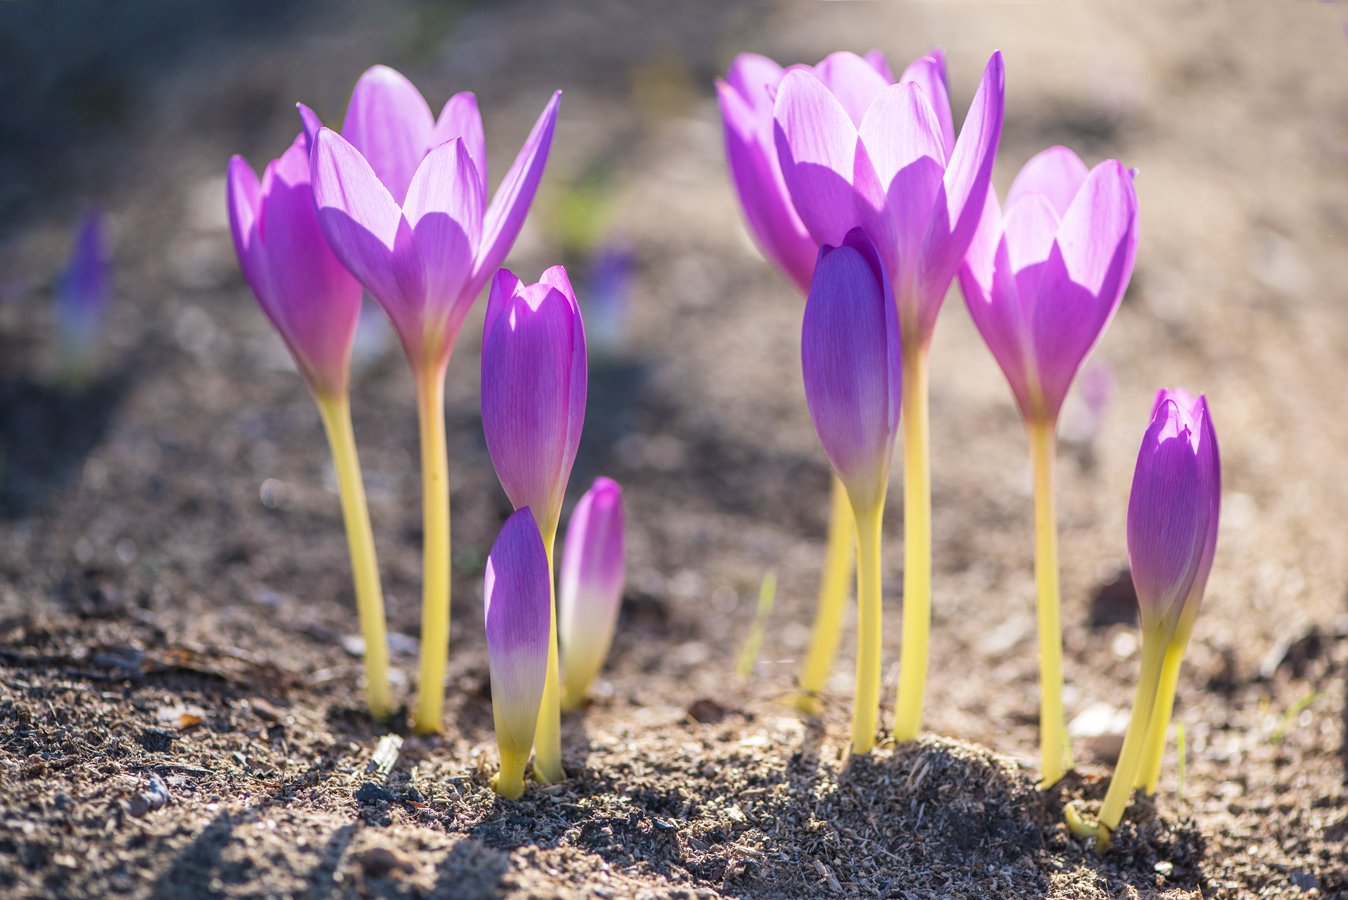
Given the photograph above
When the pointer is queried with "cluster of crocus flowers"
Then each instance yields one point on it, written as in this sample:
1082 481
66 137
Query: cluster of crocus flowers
851 359
402 200
1042 279
891 164
313 303
82 296
1172 536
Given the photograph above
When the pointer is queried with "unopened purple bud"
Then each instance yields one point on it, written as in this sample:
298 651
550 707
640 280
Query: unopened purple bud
850 357
1173 512
592 572
608 297
534 385
83 293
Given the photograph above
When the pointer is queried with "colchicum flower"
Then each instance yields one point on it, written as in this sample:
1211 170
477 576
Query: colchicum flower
591 588
534 386
850 356
402 200
1042 281
1173 514
82 298
517 593
313 303
894 167
747 98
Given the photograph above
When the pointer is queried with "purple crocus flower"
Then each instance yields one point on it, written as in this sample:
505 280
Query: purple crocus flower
402 198
311 300
850 356
1173 512
591 590
890 163
1043 279
517 598
534 384
83 293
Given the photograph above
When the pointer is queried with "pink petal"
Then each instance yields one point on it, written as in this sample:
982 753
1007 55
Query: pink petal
817 149
1030 226
1057 173
310 123
929 74
591 583
444 207
853 81
461 119
389 122
510 205
876 60
243 192
754 78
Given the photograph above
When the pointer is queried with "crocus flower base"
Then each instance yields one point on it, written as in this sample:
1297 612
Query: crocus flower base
435 550
833 589
916 548
865 711
1052 721
548 736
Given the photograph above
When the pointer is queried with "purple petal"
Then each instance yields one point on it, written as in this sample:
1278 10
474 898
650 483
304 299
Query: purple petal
1057 173
389 122
368 233
1210 481
461 119
929 74
1029 229
754 78
444 208
817 148
850 360
517 601
591 584
310 123
762 193
533 393
854 82
510 205
876 60
242 196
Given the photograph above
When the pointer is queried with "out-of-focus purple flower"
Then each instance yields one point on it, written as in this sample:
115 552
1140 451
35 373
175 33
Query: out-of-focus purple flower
1043 279
889 163
746 96
83 292
517 597
607 297
850 356
534 384
591 589
311 300
1081 421
1173 512
402 199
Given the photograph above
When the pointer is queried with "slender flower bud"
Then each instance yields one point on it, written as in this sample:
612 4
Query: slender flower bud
890 164
82 296
534 384
1043 279
402 198
849 351
311 300
517 596
1173 513
591 589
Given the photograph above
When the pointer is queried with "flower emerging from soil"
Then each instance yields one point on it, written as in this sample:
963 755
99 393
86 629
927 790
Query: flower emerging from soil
894 167
402 199
314 304
534 385
1043 279
1172 537
591 589
517 596
850 356
82 297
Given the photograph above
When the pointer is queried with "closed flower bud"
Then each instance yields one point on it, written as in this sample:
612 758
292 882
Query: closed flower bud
591 585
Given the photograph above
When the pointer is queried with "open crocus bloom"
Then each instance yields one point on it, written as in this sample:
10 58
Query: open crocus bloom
402 200
312 301
1043 278
1173 512
892 167
850 356
534 383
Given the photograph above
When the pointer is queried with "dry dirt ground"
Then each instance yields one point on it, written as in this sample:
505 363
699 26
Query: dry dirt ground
178 714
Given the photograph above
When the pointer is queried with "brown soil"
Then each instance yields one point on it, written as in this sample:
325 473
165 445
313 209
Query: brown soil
178 716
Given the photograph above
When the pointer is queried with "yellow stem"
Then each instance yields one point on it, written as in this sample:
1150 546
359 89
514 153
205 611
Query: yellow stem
509 782
336 413
1130 758
833 587
916 547
435 549
865 713
1052 721
1150 771
548 734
